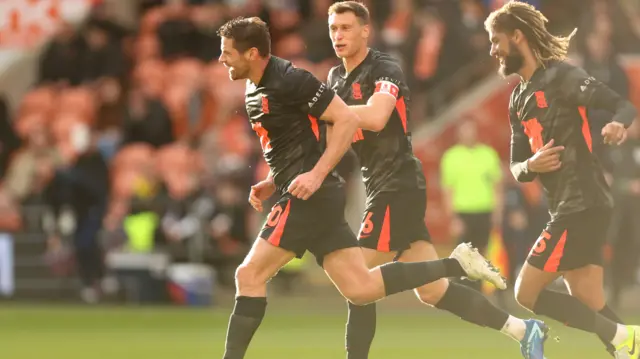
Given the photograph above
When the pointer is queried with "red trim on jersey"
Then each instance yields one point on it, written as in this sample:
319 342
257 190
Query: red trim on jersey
265 104
358 136
401 107
314 127
387 87
385 233
356 91
586 131
553 263
280 217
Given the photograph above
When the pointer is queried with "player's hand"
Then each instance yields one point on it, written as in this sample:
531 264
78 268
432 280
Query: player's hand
614 133
547 159
261 191
306 184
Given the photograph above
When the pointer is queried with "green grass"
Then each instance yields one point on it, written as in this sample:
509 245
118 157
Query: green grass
33 332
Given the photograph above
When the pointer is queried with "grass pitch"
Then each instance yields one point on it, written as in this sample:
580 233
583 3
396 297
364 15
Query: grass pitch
300 330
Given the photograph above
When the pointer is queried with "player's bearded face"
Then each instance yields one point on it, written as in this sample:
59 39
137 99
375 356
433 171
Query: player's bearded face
235 61
512 62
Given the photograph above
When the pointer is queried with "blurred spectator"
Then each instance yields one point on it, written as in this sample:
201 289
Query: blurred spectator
601 61
83 189
9 140
177 33
60 62
471 179
102 57
147 121
625 227
207 19
32 167
314 31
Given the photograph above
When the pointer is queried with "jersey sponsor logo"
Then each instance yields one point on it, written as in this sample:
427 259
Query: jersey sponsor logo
388 88
586 83
356 91
316 97
265 105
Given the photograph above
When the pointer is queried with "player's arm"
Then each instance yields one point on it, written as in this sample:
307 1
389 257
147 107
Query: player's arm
584 90
343 125
375 114
322 103
520 154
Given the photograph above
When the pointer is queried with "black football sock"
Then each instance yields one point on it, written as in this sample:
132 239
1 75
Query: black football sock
245 320
472 306
572 312
361 328
399 276
609 314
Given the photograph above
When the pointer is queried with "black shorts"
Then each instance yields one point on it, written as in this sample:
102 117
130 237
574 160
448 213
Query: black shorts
571 242
394 220
317 224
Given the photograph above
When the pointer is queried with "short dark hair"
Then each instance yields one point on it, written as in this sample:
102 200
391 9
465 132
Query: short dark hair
247 33
358 9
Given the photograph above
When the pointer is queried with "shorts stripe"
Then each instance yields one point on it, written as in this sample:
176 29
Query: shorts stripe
553 263
276 235
385 233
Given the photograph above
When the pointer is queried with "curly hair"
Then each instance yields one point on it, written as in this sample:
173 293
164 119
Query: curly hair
517 15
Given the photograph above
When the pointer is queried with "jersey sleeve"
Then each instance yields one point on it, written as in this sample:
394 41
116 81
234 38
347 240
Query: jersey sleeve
388 78
307 92
520 150
581 89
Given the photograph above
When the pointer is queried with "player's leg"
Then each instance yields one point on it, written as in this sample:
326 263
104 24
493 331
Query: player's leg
587 284
556 252
263 261
361 319
460 300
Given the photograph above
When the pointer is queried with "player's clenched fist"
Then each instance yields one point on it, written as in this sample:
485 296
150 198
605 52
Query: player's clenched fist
547 159
305 185
261 191
614 133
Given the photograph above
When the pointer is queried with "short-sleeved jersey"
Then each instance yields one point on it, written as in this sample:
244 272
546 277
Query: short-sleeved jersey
553 105
386 157
284 110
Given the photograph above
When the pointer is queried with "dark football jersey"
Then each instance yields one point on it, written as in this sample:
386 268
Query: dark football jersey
553 105
386 157
284 110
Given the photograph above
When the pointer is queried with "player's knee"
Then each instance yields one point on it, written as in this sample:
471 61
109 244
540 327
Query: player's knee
247 275
432 293
360 294
524 298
